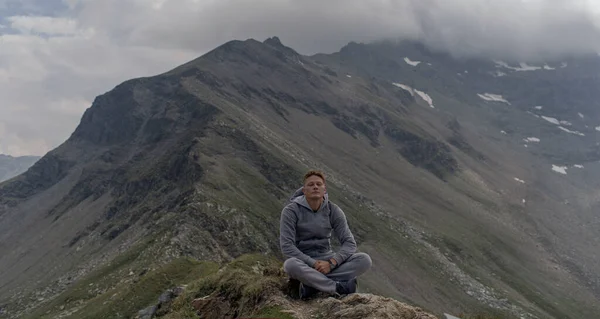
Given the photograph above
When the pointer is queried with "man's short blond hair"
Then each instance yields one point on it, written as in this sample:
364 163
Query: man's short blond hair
314 172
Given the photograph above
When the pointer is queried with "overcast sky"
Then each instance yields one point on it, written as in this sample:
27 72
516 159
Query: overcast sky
57 55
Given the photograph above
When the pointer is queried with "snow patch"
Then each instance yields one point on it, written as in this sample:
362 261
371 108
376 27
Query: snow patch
578 166
563 65
522 66
539 107
425 97
405 87
348 75
597 128
572 132
493 98
502 64
546 67
532 139
525 67
551 120
524 201
519 180
559 169
580 115
503 132
498 74
413 63
412 92
567 123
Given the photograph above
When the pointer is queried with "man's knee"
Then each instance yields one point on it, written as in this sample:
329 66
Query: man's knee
291 265
363 260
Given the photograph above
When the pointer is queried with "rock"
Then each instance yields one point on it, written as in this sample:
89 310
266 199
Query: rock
178 291
447 316
166 297
147 313
368 306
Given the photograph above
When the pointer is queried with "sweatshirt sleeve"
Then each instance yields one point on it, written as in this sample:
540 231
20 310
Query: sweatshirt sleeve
344 235
287 237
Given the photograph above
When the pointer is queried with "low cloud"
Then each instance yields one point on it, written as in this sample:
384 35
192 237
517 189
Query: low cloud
56 56
520 29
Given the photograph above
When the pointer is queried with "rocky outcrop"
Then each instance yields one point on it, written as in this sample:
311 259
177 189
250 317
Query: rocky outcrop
256 286
354 306
164 301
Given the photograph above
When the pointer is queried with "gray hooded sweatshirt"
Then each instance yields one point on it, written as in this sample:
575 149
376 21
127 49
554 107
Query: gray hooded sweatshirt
306 234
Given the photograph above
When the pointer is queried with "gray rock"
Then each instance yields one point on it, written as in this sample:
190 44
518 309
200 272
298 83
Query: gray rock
147 313
447 316
166 296
178 291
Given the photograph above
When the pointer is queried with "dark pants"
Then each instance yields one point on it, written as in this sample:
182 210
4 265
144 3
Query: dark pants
353 267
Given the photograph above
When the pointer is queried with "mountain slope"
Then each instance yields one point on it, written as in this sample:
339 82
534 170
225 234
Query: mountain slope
200 160
12 166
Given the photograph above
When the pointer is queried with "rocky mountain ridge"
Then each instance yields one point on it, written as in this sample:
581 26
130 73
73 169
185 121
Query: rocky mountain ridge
446 178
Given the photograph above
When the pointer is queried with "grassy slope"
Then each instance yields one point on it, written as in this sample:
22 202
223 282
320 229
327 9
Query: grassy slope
123 287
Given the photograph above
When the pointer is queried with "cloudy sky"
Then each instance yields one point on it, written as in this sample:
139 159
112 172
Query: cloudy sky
57 55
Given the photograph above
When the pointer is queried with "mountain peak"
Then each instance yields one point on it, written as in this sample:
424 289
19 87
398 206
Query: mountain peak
273 41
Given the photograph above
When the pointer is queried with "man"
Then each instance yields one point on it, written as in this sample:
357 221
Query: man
305 230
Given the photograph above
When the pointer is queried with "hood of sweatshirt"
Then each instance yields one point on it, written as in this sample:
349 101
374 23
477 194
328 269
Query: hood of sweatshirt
298 197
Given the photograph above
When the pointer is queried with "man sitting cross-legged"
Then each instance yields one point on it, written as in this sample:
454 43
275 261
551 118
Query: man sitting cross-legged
305 230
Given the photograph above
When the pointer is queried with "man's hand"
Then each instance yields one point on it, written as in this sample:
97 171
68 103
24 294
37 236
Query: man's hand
322 266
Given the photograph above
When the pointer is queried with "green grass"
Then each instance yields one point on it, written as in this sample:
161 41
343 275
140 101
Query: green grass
272 312
129 298
102 278
245 281
242 284
124 295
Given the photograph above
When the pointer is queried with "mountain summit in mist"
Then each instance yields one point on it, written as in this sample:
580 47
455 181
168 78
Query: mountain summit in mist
472 184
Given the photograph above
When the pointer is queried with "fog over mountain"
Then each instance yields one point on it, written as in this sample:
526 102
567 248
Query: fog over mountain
56 55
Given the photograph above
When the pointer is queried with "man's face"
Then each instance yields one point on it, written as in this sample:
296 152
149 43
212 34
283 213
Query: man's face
314 187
